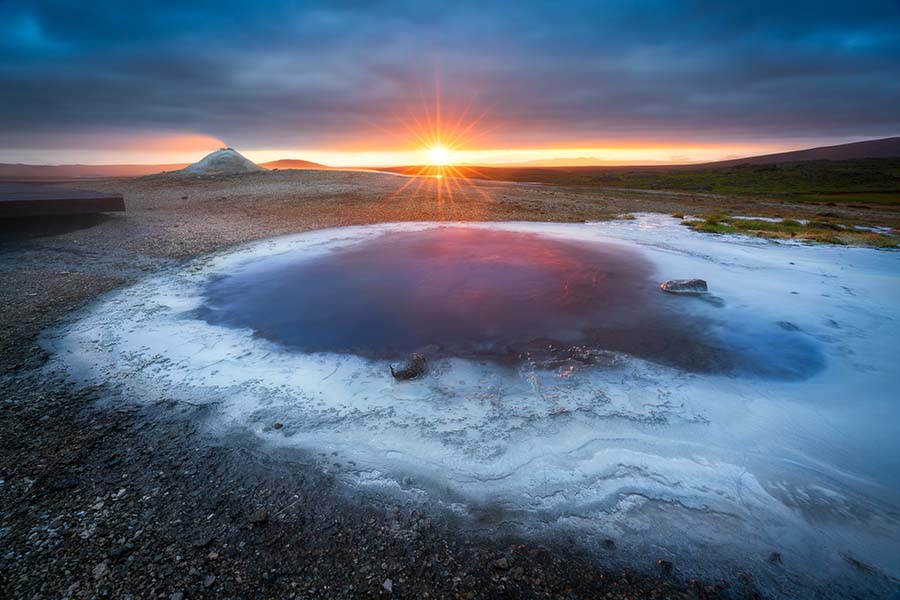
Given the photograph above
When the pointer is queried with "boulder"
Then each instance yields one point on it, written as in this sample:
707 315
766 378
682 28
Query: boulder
413 368
685 286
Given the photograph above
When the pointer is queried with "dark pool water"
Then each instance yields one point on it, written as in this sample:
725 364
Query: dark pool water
472 292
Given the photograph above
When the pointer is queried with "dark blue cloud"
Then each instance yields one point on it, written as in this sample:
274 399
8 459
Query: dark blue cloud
304 73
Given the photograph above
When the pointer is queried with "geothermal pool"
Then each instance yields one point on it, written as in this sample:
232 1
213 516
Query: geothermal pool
566 393
507 296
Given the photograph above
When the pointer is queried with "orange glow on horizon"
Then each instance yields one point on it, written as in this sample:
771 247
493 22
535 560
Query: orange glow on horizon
619 153
191 149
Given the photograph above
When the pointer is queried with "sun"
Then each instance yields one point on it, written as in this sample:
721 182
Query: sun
441 142
438 155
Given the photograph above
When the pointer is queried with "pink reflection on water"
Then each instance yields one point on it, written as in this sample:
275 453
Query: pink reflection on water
474 292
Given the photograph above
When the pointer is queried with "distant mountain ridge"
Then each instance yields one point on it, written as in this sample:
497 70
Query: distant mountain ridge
292 163
84 171
881 148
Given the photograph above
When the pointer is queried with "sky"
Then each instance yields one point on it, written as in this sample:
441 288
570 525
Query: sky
367 84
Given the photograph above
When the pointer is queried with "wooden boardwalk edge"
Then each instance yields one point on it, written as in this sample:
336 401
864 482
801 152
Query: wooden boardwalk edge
35 200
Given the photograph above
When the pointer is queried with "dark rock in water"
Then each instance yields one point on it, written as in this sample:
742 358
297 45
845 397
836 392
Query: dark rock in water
665 565
685 286
788 326
775 558
415 367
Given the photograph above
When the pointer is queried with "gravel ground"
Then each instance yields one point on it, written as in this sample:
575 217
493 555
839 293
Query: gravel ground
102 498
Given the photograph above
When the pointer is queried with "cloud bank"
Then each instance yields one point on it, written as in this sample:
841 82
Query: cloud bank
340 75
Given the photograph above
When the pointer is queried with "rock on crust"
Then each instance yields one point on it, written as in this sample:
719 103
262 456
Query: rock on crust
412 369
685 286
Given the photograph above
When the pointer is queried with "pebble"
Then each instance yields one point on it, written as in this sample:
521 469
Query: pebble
66 483
202 541
101 570
121 551
260 516
210 579
388 585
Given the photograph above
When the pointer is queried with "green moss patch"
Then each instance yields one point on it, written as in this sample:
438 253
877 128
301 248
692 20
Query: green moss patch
829 231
